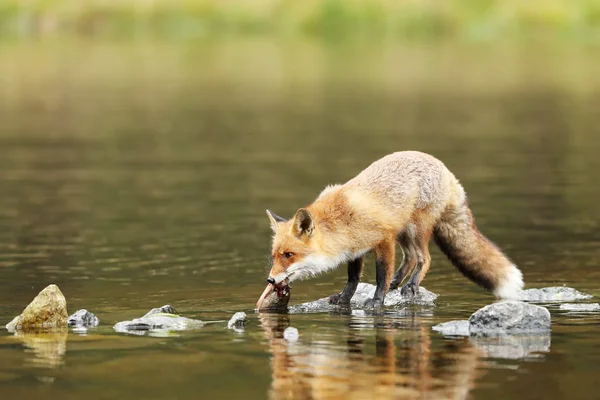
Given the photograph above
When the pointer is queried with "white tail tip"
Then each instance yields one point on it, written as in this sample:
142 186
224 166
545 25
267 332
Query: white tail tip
511 285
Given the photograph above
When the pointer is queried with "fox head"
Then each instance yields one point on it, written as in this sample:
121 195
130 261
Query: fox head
295 251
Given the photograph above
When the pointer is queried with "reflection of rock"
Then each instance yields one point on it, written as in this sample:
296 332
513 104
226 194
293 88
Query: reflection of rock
512 347
453 328
365 291
47 310
509 317
83 318
555 293
48 349
584 307
158 320
237 321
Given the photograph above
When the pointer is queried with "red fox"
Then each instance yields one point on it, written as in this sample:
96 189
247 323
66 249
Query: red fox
406 198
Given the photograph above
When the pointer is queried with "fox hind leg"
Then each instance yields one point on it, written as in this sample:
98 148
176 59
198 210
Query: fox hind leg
408 261
422 266
354 272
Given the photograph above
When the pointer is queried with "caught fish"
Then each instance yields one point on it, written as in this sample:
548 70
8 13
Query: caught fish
275 297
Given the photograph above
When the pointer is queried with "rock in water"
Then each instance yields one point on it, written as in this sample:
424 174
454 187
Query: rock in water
453 328
365 291
291 334
237 321
83 318
47 310
552 294
583 307
166 309
509 317
158 319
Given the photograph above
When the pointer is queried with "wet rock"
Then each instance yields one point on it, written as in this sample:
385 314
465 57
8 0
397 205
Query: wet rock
47 310
552 294
509 317
509 329
166 309
581 307
237 321
83 319
164 318
291 334
512 347
453 328
365 291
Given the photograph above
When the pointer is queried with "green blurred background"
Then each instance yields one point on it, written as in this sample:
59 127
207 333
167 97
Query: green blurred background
372 19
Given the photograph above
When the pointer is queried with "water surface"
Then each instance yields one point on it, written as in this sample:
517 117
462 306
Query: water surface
137 174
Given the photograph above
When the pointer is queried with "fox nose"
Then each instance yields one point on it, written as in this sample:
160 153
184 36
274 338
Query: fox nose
271 281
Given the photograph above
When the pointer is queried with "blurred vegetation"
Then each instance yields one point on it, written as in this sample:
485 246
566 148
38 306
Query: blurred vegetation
404 19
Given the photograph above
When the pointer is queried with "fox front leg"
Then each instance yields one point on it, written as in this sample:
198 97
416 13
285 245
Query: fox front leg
354 273
384 269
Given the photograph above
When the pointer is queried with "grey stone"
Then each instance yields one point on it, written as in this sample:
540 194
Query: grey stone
162 319
509 317
365 291
291 334
83 318
581 307
47 310
552 294
166 309
238 320
453 328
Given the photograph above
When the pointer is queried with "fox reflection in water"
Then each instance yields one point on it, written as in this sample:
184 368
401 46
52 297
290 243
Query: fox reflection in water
402 363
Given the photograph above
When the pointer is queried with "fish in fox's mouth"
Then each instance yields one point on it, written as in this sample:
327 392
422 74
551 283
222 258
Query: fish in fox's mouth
274 296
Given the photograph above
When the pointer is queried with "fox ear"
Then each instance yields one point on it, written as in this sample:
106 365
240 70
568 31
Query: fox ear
303 223
275 219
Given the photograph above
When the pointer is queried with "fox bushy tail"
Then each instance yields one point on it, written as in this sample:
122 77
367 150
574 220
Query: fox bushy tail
473 254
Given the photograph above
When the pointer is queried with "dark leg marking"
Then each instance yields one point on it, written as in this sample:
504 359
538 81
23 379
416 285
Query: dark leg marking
354 272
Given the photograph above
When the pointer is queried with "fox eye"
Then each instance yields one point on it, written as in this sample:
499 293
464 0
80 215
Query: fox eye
288 254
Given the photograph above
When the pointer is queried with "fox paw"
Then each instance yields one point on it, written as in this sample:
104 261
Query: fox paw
338 299
410 289
335 298
394 285
373 303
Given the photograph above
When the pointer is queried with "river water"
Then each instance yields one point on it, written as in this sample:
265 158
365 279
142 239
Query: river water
135 175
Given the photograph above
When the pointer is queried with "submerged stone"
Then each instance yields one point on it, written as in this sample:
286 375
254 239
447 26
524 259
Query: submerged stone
83 319
365 291
509 317
158 319
552 294
47 310
237 321
581 307
291 334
